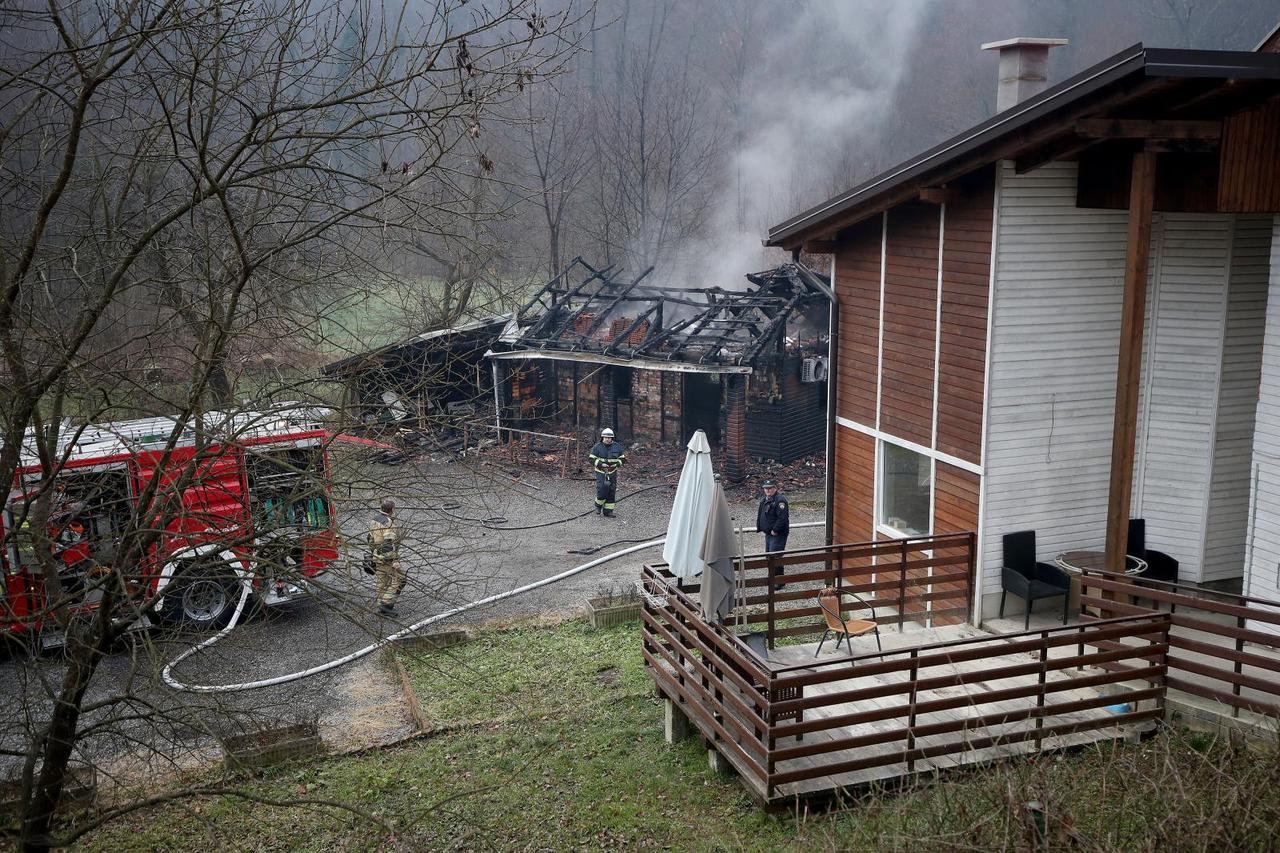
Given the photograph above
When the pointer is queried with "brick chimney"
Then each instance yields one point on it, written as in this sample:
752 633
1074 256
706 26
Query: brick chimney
1024 68
735 428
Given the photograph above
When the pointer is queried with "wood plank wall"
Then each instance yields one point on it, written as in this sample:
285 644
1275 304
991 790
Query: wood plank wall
855 476
966 282
955 499
910 315
903 247
858 284
1249 179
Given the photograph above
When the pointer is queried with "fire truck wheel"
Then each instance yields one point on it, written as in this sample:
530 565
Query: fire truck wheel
202 595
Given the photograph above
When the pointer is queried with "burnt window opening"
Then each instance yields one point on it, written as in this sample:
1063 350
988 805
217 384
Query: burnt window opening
622 384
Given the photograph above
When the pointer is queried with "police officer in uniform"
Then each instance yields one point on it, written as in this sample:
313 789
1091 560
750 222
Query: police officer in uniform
385 539
773 519
606 458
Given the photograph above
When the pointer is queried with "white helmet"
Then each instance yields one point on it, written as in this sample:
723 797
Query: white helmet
606 432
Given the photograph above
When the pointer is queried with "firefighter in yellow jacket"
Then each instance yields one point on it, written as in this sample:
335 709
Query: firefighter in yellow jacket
606 458
385 539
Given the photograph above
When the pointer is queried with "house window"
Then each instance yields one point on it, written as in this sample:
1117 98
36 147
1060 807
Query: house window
906 490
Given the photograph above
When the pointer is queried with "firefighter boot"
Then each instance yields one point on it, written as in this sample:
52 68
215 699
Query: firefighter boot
608 513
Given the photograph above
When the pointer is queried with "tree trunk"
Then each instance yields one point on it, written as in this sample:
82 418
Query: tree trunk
60 738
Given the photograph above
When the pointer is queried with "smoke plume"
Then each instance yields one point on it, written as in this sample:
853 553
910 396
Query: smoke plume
816 97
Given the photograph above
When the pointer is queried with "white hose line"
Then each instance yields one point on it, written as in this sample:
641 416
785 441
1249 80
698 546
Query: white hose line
167 672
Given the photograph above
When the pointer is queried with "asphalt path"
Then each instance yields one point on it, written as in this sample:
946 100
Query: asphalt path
473 530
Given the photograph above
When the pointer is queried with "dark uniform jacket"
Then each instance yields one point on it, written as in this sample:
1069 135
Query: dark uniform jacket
607 458
774 518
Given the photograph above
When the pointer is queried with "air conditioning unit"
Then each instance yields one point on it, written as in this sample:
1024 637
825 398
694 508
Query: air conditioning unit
814 369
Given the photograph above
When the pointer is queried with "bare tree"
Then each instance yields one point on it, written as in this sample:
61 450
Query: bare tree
211 164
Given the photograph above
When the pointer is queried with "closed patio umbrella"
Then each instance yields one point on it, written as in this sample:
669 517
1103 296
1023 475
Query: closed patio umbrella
719 552
683 549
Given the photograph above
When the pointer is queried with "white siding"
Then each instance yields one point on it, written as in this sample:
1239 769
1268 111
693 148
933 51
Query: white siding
1228 512
1059 274
1057 292
1186 349
1262 572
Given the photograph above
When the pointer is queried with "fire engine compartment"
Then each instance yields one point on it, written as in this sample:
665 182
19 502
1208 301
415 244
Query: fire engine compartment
90 508
286 488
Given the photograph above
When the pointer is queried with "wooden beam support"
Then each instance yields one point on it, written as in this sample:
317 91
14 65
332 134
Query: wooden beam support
1183 146
1129 367
936 195
1129 128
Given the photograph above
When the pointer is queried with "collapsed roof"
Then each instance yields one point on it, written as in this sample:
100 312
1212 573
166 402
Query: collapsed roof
597 315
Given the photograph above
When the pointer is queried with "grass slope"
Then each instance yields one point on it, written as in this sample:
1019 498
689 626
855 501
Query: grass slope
550 738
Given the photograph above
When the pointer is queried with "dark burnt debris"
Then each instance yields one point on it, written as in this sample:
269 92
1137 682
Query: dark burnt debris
598 314
594 348
648 462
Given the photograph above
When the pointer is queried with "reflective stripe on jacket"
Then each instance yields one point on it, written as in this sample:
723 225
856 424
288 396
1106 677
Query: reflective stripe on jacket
607 458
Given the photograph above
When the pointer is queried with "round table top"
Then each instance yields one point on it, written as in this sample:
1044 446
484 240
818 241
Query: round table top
1074 561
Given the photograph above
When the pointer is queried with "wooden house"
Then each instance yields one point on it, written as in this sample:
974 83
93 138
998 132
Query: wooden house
1068 316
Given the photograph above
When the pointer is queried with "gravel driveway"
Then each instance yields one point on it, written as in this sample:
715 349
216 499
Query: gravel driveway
464 523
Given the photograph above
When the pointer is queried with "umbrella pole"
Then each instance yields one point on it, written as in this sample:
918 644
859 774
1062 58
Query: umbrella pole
742 578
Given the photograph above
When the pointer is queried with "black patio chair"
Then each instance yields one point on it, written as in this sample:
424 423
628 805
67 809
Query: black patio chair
1160 566
1028 579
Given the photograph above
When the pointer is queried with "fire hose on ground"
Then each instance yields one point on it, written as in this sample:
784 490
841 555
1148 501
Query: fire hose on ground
167 673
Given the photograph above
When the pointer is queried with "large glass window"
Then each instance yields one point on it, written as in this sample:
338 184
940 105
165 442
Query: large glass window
906 489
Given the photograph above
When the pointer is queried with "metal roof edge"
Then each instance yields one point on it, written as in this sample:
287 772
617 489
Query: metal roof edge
597 358
1270 35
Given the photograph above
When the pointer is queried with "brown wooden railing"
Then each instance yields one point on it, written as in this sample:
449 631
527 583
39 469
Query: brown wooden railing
757 712
1225 618
924 579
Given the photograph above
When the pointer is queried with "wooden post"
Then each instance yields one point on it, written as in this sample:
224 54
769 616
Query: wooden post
1129 367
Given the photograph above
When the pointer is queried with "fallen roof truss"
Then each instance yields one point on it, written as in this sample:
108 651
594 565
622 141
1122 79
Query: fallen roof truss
586 311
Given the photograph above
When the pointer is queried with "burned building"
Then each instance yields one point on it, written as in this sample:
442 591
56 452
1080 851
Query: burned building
435 378
594 348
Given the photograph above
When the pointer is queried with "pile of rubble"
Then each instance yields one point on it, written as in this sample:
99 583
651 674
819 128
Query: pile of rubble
647 461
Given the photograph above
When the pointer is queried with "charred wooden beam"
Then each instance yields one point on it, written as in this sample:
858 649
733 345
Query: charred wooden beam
635 324
614 303
604 280
773 329
550 286
650 345
549 316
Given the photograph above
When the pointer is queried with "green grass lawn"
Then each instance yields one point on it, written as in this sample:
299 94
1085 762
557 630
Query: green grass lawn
550 738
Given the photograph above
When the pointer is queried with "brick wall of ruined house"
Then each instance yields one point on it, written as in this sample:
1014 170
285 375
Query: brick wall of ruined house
646 404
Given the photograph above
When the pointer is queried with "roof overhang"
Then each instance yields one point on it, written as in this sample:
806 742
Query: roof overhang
637 363
359 361
1133 75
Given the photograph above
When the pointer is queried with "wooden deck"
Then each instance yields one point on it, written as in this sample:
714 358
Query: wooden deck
943 694
976 698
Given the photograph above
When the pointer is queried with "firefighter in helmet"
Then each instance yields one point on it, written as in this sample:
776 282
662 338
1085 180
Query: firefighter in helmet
606 458
385 539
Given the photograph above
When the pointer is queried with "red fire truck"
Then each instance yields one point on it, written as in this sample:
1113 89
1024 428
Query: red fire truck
250 502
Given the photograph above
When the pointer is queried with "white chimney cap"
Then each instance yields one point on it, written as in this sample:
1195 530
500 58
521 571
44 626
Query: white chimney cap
1023 42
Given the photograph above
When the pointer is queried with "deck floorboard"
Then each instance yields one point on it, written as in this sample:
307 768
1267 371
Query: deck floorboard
893 640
